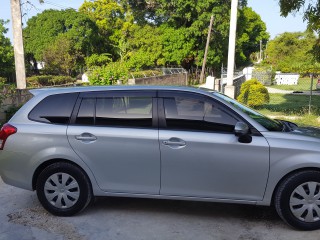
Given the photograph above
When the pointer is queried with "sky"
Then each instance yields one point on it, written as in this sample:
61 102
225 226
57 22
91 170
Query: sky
268 10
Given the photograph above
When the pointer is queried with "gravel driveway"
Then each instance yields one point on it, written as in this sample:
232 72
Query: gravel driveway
23 218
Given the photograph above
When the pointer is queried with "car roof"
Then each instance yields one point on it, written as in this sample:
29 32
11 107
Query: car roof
52 91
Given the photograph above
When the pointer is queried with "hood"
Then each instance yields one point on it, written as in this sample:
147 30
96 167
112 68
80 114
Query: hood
307 131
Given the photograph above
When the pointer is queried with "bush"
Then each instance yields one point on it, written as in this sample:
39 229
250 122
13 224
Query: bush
110 74
60 80
49 80
253 94
11 111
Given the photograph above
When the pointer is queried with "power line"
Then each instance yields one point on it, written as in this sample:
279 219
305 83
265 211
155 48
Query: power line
26 8
58 5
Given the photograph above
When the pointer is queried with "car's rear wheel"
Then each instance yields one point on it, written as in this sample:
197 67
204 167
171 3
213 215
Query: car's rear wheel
63 189
297 200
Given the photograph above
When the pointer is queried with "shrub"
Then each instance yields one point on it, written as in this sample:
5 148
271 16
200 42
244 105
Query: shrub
60 80
96 60
110 74
11 111
253 94
48 80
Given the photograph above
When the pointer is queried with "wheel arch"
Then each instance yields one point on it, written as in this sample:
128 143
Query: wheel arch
47 163
288 175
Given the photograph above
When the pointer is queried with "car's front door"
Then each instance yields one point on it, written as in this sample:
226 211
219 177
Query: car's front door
200 154
114 133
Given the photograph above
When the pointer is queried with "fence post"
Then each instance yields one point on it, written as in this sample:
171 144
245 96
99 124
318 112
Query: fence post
310 99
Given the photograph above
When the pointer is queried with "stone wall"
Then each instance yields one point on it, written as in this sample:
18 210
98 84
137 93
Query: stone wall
180 79
13 98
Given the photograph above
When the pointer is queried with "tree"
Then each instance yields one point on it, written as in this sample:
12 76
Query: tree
194 17
311 14
291 52
311 11
251 31
6 52
145 47
112 18
60 57
177 46
165 33
43 30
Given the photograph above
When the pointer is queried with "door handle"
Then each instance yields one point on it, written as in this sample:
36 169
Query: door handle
175 143
172 143
86 137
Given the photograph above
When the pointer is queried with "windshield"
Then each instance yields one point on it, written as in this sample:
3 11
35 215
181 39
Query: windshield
270 124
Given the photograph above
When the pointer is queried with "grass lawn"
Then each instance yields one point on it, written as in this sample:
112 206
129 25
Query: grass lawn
293 108
304 84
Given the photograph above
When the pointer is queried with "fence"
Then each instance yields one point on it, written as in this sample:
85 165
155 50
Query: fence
301 97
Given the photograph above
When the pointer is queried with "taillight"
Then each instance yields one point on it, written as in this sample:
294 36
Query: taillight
5 132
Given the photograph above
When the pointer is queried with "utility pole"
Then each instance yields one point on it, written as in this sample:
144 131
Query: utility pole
18 44
206 51
260 60
230 89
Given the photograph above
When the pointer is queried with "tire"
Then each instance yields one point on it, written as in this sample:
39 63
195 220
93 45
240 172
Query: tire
297 200
63 189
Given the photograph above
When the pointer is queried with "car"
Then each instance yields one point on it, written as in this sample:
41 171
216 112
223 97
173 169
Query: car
165 142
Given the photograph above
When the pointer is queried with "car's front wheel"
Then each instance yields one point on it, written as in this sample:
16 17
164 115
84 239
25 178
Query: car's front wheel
297 200
63 189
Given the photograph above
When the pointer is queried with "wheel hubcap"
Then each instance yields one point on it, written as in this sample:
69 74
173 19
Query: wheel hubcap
62 190
305 202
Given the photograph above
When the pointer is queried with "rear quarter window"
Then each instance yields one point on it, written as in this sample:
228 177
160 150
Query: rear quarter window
55 109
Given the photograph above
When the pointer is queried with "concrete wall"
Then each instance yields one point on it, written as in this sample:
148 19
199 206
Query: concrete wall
237 82
234 90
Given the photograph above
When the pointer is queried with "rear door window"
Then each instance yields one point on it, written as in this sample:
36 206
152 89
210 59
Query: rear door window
54 109
123 110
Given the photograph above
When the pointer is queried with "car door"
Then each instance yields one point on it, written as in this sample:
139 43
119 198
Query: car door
200 154
116 134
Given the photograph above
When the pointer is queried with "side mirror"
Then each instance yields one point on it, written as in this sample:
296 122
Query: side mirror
241 130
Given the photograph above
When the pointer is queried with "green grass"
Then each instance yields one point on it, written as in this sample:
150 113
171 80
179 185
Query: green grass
304 84
294 108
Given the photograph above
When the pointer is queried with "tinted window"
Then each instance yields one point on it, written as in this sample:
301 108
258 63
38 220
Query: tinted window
196 114
270 124
54 109
86 112
116 111
124 111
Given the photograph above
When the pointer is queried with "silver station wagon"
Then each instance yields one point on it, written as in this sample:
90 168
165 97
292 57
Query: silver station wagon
72 144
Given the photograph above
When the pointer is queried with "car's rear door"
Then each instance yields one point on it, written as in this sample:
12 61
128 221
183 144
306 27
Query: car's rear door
200 154
116 135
